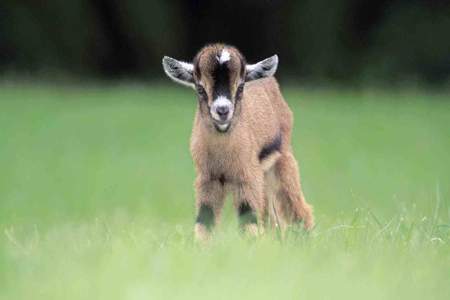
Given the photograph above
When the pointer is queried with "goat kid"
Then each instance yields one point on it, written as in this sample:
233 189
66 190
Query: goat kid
241 141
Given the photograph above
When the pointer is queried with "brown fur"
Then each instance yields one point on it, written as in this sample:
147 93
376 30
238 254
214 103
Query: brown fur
234 157
229 162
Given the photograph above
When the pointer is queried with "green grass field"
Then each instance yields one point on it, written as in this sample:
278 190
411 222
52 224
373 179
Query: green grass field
97 201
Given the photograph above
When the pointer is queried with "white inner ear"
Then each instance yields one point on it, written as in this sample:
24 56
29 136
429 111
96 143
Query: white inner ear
179 71
264 68
189 67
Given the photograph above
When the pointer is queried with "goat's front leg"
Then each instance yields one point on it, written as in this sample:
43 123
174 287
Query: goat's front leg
209 202
250 205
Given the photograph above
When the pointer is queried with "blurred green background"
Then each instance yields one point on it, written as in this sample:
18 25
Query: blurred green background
96 179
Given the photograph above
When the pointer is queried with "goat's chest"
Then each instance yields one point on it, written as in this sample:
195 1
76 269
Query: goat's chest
223 159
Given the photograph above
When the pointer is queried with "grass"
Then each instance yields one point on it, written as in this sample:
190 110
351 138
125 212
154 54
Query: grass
96 199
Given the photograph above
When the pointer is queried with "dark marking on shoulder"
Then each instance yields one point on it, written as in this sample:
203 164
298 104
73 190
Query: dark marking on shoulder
205 216
246 214
274 145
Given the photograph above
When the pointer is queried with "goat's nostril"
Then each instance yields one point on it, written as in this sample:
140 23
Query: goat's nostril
222 110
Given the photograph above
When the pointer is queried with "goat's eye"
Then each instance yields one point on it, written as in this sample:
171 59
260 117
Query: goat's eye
201 91
239 90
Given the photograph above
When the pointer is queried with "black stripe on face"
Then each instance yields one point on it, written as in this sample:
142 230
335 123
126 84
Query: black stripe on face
274 145
205 216
221 77
246 214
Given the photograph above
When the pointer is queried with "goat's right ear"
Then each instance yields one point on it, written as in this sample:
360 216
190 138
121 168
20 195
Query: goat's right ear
179 71
264 68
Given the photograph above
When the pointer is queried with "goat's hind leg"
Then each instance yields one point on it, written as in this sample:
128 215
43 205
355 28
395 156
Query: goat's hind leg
290 192
274 211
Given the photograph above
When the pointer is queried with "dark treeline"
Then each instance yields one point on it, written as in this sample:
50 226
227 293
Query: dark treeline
343 41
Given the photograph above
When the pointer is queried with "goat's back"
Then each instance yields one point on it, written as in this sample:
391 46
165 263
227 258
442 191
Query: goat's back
265 112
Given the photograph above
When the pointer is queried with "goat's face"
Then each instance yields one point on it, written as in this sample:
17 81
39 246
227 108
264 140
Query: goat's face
218 74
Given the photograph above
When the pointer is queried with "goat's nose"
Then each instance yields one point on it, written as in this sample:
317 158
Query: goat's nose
222 110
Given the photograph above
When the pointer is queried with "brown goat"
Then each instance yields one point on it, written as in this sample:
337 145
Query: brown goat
241 141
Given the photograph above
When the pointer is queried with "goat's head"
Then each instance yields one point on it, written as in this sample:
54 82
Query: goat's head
218 74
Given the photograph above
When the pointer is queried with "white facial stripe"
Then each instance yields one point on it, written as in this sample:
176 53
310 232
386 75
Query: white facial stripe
221 101
224 56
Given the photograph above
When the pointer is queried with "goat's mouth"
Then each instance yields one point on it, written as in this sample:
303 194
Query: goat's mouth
221 126
221 123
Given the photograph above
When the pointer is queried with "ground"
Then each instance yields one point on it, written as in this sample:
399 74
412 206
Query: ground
97 201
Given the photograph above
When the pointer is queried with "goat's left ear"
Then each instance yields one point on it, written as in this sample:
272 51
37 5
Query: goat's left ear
264 68
179 71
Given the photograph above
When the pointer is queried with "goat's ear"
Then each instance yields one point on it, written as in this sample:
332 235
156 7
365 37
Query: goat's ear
179 71
264 68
